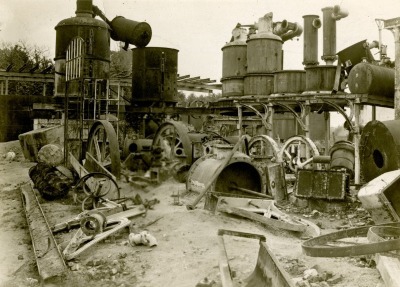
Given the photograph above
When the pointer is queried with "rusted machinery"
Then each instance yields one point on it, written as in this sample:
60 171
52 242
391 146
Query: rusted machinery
379 148
261 90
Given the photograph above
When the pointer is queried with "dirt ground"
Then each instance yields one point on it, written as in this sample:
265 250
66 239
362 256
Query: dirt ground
187 249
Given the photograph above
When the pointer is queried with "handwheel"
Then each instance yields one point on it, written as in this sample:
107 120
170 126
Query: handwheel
173 139
97 187
263 146
103 148
297 150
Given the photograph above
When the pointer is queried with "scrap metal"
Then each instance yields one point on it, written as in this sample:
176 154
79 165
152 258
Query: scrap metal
320 247
267 272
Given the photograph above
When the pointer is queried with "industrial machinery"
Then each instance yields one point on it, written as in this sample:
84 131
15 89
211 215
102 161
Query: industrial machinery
285 113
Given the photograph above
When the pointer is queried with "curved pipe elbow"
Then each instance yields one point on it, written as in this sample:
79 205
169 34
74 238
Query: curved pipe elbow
283 27
373 44
280 28
339 13
297 31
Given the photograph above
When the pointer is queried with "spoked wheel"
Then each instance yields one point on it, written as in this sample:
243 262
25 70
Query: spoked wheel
264 147
96 188
173 139
296 151
103 149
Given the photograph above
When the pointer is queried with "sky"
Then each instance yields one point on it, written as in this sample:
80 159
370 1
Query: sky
199 28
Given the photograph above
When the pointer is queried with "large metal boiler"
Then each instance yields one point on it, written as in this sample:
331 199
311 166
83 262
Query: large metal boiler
379 148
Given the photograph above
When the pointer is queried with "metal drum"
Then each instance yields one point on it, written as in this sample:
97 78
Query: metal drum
320 78
365 78
258 84
129 31
96 35
234 59
264 54
289 81
379 148
240 172
232 86
154 75
342 156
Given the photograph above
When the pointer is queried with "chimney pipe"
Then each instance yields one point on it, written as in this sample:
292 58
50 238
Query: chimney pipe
330 16
310 50
84 8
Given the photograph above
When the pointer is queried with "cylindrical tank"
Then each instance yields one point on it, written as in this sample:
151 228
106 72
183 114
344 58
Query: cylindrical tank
329 35
154 74
342 156
289 81
310 47
232 86
96 35
320 78
234 62
379 148
264 54
234 59
355 54
129 31
240 172
258 84
366 78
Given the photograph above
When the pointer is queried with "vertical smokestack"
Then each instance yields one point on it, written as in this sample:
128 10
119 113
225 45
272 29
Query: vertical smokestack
84 8
329 36
330 16
310 52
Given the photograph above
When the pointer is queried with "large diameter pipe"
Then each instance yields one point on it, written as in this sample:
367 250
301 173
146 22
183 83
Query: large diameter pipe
310 52
329 36
330 15
130 32
295 32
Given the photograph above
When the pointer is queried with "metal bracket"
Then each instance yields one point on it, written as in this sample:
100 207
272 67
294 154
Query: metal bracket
296 115
264 118
340 110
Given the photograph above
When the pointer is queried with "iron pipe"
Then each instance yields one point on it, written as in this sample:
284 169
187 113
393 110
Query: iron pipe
310 49
297 31
339 13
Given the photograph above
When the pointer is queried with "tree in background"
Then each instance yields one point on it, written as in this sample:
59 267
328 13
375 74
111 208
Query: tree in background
22 57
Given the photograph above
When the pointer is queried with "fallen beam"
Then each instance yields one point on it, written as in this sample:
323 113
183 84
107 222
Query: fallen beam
49 260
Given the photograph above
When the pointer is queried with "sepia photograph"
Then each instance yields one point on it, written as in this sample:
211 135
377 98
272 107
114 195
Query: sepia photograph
150 143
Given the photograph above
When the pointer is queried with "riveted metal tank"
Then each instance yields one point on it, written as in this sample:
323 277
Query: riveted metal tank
320 78
154 75
232 86
234 62
258 84
129 31
310 47
234 55
366 78
96 35
289 81
239 172
379 148
264 49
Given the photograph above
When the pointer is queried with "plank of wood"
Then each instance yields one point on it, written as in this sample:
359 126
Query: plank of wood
300 227
49 260
92 162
